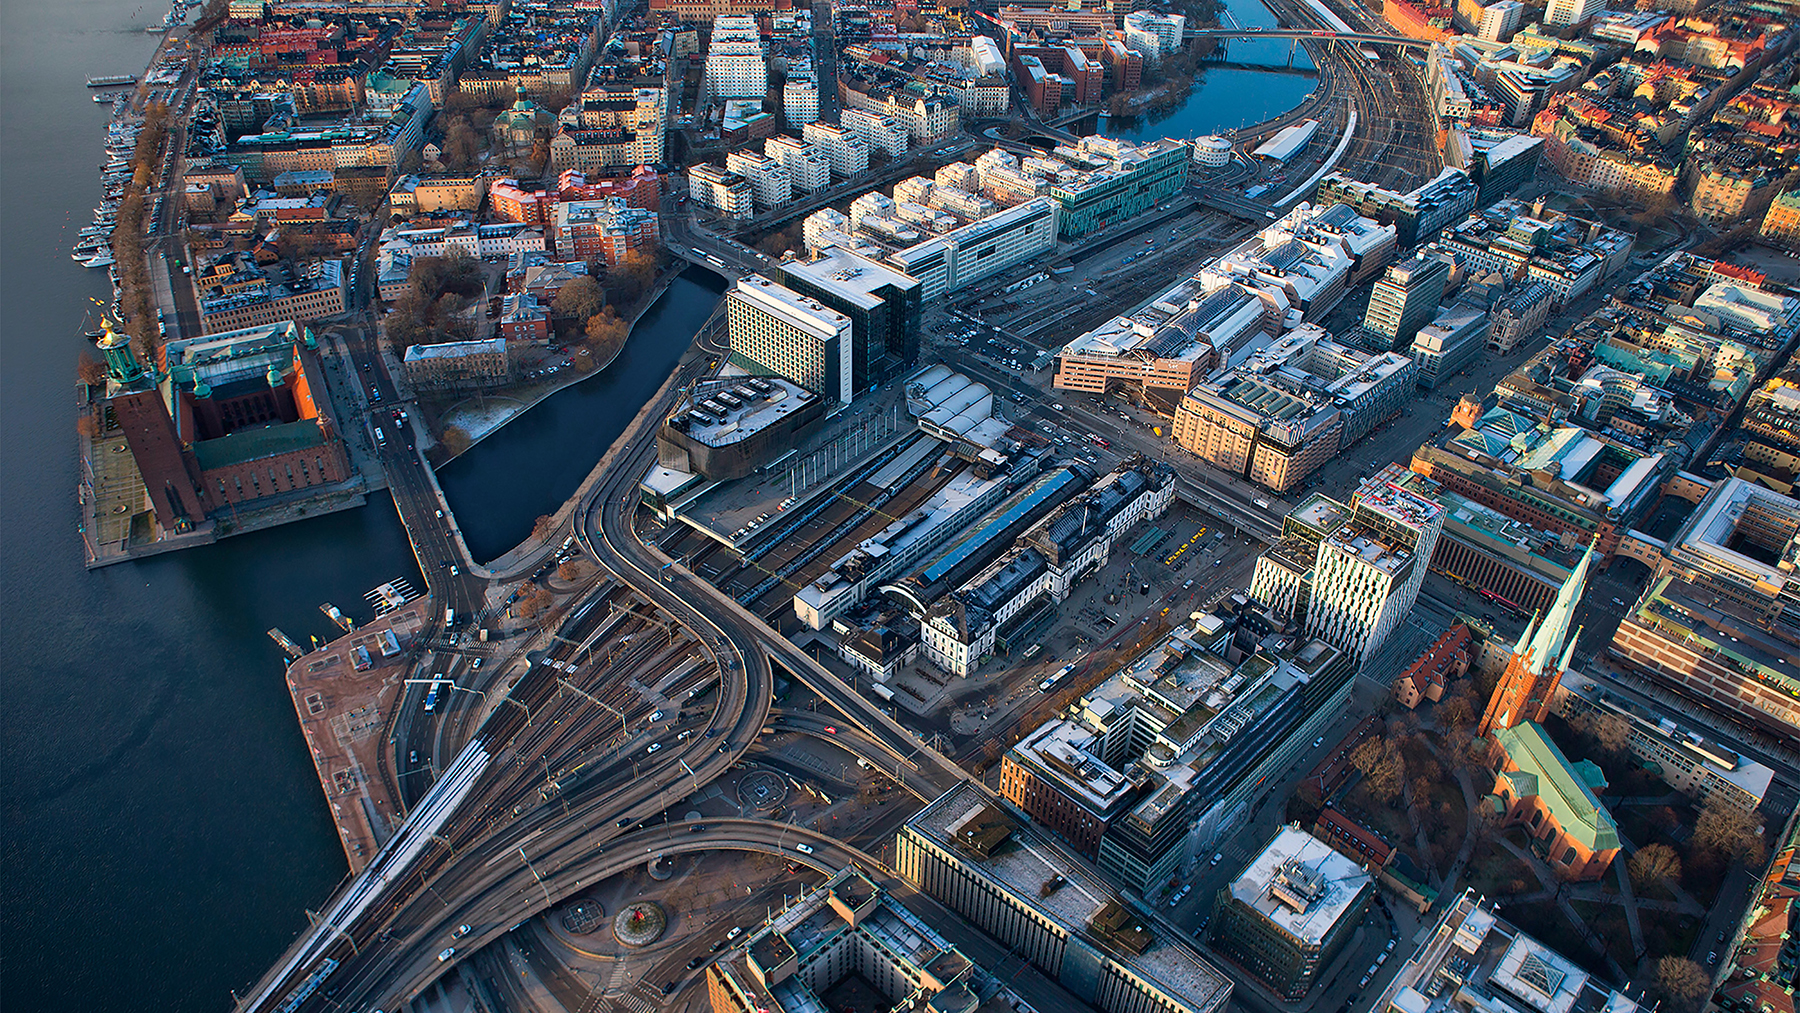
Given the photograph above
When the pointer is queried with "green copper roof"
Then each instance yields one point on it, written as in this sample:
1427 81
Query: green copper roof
1569 800
251 444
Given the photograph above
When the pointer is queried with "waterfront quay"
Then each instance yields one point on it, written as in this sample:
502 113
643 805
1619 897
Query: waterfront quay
346 695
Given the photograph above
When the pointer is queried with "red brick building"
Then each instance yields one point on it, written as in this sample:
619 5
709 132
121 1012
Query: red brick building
1444 661
228 421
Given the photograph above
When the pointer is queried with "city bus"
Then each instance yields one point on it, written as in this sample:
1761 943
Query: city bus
431 698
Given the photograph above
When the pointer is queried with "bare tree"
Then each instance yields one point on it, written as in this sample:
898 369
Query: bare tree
1455 712
581 298
456 439
543 526
1730 831
90 370
1612 732
1683 982
1384 771
1655 862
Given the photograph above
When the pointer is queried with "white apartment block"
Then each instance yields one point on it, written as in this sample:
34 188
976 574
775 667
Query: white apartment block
1571 12
719 188
878 133
774 328
845 151
735 67
873 204
980 249
768 179
1151 34
820 223
800 102
807 167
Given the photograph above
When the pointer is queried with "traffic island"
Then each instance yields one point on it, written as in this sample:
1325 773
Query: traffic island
640 923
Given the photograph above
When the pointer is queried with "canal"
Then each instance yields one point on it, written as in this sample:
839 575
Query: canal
500 486
1230 96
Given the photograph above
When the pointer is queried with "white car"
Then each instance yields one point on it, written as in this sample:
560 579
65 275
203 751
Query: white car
654 746
449 951
804 849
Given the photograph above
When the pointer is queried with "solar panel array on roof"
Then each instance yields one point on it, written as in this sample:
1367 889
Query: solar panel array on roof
1217 305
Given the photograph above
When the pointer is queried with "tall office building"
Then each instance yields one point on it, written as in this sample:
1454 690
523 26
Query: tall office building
1406 298
774 329
1571 12
734 60
883 306
1500 20
1370 566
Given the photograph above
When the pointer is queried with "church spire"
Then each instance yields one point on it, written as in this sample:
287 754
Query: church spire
1547 644
1525 637
1568 657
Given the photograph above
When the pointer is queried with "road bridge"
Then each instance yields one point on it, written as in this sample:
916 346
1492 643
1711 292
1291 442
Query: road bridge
876 753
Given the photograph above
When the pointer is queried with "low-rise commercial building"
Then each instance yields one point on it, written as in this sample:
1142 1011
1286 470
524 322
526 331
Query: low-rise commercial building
458 365
1473 957
721 439
1010 600
1717 622
250 296
848 930
1568 255
1563 479
1418 215
1690 762
1291 406
1154 766
968 853
979 249
1116 180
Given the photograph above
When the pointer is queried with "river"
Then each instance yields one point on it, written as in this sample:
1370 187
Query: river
164 828
1229 97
